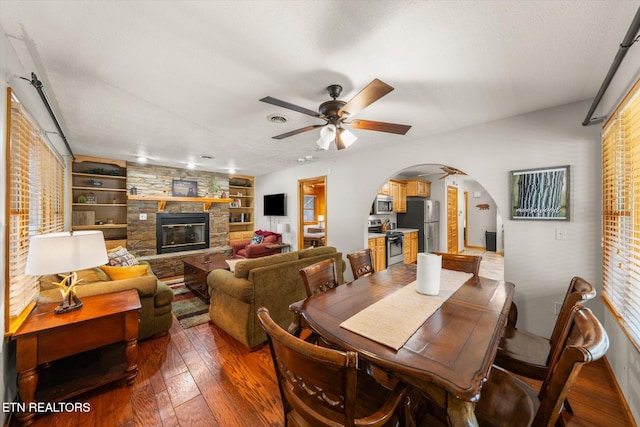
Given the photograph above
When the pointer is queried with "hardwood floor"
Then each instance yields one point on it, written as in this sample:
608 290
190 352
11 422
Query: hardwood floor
202 377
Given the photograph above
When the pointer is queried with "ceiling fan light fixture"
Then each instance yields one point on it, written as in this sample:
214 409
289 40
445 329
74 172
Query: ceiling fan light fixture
347 137
327 136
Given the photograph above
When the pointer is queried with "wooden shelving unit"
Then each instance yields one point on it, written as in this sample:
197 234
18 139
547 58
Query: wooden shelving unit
241 207
99 197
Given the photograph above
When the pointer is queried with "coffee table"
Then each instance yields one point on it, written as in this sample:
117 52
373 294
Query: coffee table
197 268
62 355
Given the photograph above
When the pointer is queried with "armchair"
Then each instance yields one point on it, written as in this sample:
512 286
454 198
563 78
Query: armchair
247 249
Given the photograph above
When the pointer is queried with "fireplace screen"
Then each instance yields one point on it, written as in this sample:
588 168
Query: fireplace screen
181 232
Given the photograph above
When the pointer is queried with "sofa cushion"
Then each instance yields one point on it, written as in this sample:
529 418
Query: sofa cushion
118 273
243 268
256 239
91 275
312 252
121 257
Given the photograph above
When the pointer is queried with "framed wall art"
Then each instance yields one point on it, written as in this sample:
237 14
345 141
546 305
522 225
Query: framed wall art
184 188
540 194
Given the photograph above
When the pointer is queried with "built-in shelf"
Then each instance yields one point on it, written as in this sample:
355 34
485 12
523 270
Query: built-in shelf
103 181
99 226
162 200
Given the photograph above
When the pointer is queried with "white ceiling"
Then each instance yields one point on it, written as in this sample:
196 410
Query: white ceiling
174 80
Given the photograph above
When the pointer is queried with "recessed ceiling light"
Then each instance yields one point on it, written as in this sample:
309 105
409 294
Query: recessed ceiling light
277 118
308 157
142 159
232 170
191 166
300 160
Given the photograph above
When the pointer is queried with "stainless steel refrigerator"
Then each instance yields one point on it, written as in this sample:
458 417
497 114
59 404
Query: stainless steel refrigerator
423 214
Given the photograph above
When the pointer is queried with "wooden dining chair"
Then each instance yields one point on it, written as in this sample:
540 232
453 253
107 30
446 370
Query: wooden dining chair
320 277
323 386
361 263
460 262
508 401
317 278
530 355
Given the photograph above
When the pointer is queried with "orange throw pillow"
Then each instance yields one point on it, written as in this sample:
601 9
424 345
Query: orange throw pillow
118 273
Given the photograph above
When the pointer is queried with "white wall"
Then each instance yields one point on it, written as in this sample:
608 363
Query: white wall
623 357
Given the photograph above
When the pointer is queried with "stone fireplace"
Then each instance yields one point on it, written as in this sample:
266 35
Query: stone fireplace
178 232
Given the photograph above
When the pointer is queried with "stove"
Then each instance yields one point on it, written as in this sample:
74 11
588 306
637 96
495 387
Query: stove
394 241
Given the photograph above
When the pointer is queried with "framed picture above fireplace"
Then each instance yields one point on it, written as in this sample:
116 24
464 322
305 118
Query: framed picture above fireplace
183 188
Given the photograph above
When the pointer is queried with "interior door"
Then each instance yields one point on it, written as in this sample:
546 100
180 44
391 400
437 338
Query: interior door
313 213
452 219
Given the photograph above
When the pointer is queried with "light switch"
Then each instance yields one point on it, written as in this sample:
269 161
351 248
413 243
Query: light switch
561 234
143 216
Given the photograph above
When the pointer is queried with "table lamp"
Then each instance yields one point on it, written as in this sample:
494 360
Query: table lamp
321 221
65 253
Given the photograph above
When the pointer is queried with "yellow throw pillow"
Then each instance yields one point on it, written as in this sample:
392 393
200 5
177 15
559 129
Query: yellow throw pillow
118 273
115 249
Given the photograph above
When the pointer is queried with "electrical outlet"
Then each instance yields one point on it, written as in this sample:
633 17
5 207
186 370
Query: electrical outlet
561 234
557 306
143 217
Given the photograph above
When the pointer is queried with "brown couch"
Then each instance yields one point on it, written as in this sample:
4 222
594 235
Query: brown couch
155 296
273 282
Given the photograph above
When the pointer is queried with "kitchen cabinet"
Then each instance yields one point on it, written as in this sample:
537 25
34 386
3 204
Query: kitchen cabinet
99 197
385 189
411 247
378 253
398 190
418 188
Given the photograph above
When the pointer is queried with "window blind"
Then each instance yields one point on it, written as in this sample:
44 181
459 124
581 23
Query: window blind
35 205
621 213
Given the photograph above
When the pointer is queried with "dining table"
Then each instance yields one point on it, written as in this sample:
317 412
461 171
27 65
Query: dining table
448 357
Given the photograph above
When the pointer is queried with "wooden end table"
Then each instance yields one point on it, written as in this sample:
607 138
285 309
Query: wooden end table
198 267
62 355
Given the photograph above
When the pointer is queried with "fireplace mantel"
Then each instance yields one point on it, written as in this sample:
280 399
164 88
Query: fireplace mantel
162 200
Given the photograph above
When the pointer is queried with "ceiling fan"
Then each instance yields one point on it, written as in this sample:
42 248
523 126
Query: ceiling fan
336 113
447 171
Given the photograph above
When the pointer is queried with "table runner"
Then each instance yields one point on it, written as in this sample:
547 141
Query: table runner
395 318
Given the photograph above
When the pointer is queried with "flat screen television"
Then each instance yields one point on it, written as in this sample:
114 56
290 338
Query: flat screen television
275 204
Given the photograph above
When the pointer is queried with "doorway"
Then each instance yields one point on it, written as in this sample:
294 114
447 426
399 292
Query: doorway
452 219
312 212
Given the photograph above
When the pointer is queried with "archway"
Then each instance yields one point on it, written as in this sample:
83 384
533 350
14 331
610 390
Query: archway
475 218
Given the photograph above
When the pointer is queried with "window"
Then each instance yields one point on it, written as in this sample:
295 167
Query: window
309 209
621 213
35 205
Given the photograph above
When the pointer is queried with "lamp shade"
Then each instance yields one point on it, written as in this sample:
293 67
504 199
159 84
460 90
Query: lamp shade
320 217
327 135
282 228
65 252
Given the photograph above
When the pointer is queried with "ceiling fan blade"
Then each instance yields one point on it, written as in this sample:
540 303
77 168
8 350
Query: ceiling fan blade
288 105
367 96
340 145
379 126
297 131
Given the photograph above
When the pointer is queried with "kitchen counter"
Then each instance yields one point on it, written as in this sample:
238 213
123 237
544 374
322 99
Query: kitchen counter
375 235
406 230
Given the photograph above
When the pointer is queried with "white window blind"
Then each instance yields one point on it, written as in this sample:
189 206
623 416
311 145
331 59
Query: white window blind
35 204
621 213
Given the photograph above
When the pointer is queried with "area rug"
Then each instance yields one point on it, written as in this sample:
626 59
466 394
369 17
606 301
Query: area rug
190 309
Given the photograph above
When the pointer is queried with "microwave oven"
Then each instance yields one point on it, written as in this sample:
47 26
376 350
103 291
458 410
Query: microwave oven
383 205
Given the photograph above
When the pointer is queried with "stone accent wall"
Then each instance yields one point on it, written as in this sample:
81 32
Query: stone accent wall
151 180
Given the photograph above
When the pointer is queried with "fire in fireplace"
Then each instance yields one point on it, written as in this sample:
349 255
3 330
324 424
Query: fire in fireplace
176 232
